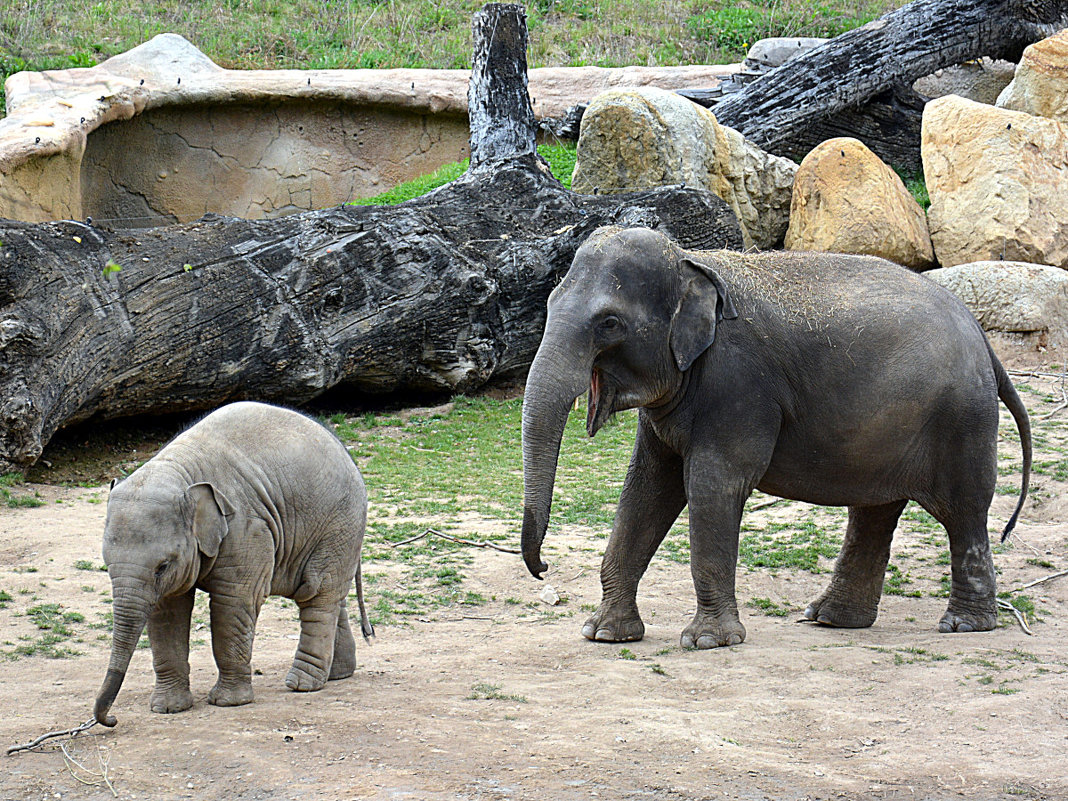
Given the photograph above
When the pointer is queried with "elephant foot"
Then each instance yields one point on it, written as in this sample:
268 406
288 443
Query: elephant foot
614 625
300 680
230 694
709 631
967 620
168 702
831 612
341 669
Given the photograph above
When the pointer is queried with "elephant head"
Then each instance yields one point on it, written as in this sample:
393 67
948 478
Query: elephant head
156 535
627 322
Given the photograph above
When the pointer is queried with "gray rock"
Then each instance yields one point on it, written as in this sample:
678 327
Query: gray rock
1010 296
773 51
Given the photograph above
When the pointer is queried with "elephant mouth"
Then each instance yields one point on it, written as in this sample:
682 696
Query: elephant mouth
599 407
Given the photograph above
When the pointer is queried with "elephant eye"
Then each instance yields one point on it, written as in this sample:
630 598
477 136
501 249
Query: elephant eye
162 568
611 324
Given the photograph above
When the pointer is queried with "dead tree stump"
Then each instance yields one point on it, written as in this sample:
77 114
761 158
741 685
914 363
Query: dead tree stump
443 293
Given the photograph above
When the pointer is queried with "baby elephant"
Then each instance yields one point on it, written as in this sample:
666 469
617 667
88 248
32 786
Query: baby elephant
253 500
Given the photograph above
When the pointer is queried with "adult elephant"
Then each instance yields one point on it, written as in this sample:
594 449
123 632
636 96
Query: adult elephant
832 379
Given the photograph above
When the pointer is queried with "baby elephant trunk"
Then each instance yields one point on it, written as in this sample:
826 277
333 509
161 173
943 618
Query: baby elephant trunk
129 623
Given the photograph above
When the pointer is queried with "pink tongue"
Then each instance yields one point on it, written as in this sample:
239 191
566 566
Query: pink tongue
595 397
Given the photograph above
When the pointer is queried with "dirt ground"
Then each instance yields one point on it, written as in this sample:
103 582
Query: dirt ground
507 701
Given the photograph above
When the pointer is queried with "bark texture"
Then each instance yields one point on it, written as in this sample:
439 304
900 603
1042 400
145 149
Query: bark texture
857 83
445 292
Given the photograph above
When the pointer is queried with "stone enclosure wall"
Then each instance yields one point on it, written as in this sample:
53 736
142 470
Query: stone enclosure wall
162 134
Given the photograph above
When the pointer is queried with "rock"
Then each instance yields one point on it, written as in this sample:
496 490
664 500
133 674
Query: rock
549 595
846 200
637 139
776 50
981 81
1010 296
998 182
188 137
1041 83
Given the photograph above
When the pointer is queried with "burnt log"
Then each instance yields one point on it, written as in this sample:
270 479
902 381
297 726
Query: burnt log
857 84
443 293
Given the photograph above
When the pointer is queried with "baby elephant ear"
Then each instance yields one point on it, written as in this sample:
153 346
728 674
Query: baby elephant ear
210 511
705 301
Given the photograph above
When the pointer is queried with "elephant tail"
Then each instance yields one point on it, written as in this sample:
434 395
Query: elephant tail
366 628
1011 399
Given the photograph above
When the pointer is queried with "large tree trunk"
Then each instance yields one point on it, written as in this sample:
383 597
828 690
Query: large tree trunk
824 92
445 292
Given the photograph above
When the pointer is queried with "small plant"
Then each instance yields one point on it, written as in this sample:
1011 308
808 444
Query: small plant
657 669
626 653
768 607
88 564
492 692
111 268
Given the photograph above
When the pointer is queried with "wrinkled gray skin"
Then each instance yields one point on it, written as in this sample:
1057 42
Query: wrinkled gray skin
254 500
836 380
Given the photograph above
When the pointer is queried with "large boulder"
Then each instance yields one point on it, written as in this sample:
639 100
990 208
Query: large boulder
847 200
642 138
1041 83
998 182
1011 296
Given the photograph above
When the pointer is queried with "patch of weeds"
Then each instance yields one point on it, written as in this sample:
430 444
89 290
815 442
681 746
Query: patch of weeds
25 569
768 607
89 564
895 581
789 545
5 598
627 654
1048 565
492 692
55 622
657 669
1005 689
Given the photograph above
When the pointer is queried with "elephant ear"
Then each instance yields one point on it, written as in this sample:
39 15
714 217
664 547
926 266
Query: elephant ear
704 303
210 513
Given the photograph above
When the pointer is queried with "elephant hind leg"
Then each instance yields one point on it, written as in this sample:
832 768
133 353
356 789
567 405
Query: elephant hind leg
344 647
852 599
313 661
973 593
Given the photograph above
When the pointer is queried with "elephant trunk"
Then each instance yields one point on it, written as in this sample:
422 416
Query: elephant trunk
556 378
130 612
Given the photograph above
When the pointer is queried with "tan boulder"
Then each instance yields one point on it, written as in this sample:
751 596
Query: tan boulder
1040 86
643 138
998 182
846 200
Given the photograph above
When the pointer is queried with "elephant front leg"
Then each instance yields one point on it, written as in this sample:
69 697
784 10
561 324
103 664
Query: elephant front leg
315 651
168 634
652 497
715 520
233 628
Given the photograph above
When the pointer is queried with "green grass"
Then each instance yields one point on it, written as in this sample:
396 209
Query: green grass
561 160
20 499
319 34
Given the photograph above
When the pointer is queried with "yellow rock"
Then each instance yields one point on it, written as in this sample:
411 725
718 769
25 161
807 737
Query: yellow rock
846 200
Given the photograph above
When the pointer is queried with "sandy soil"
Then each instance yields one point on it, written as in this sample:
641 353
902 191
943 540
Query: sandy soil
798 711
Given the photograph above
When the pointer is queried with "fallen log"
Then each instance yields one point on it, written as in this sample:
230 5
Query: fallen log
823 92
442 293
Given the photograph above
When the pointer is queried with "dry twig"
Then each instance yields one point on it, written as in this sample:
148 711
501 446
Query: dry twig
70 733
89 777
1020 618
1040 580
451 538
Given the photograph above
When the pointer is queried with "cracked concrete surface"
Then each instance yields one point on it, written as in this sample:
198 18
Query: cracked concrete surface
162 134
